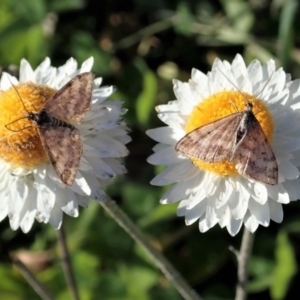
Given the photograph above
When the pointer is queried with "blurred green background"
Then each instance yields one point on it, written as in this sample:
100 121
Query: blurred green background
140 46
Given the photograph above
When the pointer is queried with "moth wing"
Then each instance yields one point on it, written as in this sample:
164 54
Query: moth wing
213 142
64 149
73 99
254 157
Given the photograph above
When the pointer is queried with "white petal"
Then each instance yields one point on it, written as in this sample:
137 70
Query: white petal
293 189
80 185
29 211
165 156
289 171
115 165
69 203
98 81
82 201
56 217
234 226
100 169
26 72
45 74
7 81
87 65
164 135
175 193
97 192
4 206
238 205
225 219
104 146
161 179
276 211
192 215
204 226
251 222
199 196
181 209
261 193
255 76
260 211
69 68
279 193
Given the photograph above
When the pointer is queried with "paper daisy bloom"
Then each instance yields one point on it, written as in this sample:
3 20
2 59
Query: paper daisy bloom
215 192
29 187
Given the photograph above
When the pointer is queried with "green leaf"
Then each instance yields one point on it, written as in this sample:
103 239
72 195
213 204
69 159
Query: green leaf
86 267
256 51
286 266
6 15
133 193
111 287
259 284
160 213
58 5
9 278
138 281
240 15
36 48
21 40
33 11
286 39
185 19
261 270
83 45
146 99
260 266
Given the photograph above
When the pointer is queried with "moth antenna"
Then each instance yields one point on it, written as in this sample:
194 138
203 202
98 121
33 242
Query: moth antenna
264 88
233 103
14 131
268 81
14 122
240 90
234 85
21 98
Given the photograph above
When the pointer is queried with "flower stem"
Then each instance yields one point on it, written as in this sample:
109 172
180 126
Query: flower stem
161 262
39 288
66 263
243 259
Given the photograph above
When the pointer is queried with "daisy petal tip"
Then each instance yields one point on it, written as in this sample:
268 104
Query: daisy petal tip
87 65
99 195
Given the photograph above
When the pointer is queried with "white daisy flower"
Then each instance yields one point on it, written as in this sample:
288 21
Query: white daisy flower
29 186
214 192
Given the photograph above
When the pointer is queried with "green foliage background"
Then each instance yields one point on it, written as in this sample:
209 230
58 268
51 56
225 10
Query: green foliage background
140 46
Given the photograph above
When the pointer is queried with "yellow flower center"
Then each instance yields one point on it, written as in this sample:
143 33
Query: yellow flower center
218 106
20 144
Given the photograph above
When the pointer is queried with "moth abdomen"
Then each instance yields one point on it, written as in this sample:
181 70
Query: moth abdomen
54 122
44 119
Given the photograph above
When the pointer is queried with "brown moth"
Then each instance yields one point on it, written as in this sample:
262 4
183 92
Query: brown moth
238 138
60 139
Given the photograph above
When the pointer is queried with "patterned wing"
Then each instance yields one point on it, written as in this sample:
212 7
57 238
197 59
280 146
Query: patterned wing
254 157
213 142
64 149
73 99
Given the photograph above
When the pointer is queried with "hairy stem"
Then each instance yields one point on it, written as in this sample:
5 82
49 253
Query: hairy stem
243 259
39 288
66 264
161 262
